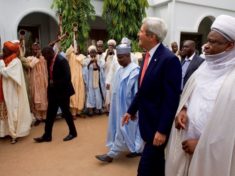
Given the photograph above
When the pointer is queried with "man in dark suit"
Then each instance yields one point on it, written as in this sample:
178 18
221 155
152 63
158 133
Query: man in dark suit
59 91
157 98
191 62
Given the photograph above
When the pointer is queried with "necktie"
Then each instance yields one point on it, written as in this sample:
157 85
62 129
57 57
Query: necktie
146 61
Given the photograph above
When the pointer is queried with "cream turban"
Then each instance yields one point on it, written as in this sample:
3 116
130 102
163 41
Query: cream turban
225 25
111 42
123 49
92 47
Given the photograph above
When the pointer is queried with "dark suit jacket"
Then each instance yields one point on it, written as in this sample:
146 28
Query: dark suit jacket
62 86
193 66
158 97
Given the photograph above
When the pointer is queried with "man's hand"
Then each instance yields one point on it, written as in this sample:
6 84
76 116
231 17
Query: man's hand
159 139
126 117
181 119
189 145
107 86
38 54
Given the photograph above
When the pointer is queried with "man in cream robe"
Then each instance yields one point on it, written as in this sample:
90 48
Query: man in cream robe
77 100
38 82
203 143
18 120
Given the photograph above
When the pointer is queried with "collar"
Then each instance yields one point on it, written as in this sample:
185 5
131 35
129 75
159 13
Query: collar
190 58
152 51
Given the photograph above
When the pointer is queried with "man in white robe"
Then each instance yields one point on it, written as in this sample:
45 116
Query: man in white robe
94 81
17 122
111 65
203 143
127 137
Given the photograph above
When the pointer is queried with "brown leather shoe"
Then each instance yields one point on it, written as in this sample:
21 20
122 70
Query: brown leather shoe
104 158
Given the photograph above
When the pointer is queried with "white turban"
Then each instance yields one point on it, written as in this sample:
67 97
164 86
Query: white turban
92 47
123 49
111 42
225 25
126 41
99 42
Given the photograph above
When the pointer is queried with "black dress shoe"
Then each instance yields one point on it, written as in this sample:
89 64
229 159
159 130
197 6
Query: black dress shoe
104 158
42 139
69 137
133 154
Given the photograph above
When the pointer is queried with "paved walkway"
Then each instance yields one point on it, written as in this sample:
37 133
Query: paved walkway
58 158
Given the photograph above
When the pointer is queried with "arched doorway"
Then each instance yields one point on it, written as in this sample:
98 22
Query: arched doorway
98 29
199 37
204 27
38 27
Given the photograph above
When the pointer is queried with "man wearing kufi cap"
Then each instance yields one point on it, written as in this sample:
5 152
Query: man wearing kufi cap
123 138
127 41
202 139
15 116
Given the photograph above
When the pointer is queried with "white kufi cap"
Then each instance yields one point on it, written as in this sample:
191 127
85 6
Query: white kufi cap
126 41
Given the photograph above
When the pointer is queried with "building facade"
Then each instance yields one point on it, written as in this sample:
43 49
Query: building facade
189 19
186 19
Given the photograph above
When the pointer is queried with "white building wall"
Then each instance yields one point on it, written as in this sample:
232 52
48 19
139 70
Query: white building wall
98 5
186 15
220 4
13 11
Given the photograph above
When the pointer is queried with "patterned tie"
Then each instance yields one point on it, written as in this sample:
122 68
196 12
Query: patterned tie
146 61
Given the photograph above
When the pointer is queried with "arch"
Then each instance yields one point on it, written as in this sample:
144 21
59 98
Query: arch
98 29
204 27
29 11
201 18
39 25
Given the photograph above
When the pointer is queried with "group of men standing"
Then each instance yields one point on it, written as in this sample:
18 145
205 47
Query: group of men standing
201 139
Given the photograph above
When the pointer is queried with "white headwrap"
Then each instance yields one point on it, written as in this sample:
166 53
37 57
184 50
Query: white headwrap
123 49
111 42
92 47
99 42
126 41
225 25
15 41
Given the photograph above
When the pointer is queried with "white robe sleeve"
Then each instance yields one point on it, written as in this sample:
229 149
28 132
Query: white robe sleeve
11 70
